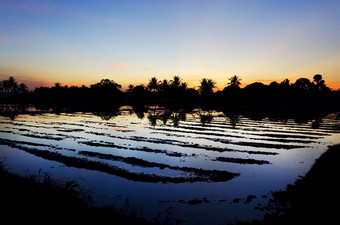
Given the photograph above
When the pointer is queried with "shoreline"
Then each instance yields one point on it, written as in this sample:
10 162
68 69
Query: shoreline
312 199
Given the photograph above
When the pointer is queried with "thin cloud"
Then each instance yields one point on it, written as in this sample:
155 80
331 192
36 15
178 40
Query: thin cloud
146 69
120 65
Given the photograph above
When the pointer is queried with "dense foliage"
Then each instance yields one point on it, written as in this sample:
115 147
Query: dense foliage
175 91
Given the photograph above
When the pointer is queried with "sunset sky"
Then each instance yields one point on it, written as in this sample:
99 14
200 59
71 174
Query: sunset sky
81 42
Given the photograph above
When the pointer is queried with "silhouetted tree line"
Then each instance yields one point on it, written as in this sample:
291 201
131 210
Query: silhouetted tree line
175 91
12 91
104 92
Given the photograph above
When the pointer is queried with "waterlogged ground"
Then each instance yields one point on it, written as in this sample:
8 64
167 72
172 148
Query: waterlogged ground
206 166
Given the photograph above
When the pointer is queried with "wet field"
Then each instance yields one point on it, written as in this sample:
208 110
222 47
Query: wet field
206 166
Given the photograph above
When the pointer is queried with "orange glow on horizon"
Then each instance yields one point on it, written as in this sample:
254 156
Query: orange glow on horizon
191 84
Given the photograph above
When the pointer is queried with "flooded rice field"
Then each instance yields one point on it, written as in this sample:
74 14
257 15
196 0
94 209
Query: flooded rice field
198 166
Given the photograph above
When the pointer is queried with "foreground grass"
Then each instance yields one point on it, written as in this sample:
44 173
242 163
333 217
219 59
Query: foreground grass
40 198
313 199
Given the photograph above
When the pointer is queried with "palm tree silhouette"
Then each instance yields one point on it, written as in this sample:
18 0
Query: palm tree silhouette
235 81
57 85
206 87
4 86
176 82
205 116
22 88
164 86
153 84
9 85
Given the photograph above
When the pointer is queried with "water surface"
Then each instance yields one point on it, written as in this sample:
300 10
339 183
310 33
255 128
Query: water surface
206 166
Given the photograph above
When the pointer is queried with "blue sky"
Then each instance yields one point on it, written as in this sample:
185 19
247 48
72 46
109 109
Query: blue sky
80 42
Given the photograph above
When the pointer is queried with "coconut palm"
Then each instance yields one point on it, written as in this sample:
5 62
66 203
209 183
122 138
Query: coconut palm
176 82
184 85
235 81
153 84
23 88
9 85
4 85
13 84
164 86
206 87
57 85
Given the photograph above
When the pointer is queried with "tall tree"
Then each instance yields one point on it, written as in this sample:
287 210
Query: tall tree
107 84
320 83
235 81
184 85
23 88
4 85
303 84
176 81
164 86
9 85
153 84
207 86
317 78
13 84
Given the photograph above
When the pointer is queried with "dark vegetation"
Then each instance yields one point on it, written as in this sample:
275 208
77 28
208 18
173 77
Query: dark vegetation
175 91
312 199
38 197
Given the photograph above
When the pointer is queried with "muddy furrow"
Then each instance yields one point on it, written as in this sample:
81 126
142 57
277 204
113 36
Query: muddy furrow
258 132
200 175
143 149
184 144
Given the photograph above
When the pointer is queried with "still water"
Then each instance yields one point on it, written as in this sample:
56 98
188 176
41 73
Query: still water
199 166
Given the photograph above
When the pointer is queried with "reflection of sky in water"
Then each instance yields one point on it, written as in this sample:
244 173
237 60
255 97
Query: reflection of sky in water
199 145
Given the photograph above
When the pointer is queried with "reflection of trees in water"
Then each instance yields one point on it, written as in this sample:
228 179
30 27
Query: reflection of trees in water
153 117
13 110
205 116
234 120
107 115
175 116
166 115
179 116
312 118
315 119
234 117
316 123
139 110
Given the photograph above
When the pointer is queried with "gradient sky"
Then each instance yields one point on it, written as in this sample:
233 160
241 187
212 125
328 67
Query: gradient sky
81 42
